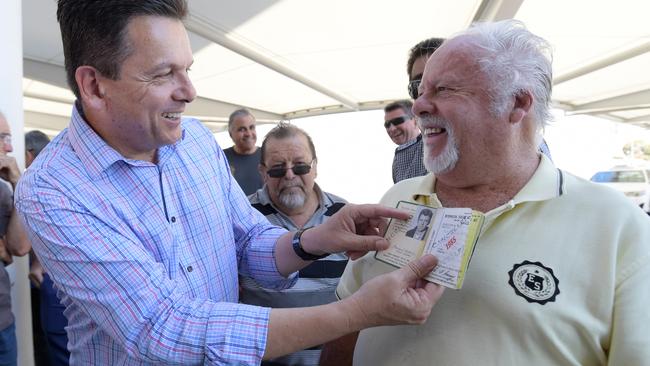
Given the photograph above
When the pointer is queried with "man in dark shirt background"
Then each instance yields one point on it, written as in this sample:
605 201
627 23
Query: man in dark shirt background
244 155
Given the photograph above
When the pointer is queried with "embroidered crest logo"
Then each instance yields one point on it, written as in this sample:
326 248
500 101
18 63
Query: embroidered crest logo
534 282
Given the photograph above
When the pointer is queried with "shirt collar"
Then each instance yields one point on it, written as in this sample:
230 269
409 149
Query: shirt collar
409 143
546 183
96 154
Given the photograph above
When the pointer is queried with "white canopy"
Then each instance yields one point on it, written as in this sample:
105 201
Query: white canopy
287 59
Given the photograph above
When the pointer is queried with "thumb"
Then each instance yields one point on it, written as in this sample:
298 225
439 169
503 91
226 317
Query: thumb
419 267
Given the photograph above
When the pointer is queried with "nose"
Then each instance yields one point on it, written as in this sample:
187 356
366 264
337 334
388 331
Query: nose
289 174
422 106
7 147
185 91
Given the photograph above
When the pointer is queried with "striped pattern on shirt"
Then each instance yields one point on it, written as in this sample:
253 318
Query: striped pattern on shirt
145 255
317 282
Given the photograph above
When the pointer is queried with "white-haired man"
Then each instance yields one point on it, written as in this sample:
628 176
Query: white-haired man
560 272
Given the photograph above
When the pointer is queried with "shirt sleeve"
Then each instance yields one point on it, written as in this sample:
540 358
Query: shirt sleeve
630 339
116 282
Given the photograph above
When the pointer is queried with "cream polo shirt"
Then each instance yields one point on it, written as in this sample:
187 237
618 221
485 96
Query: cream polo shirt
560 276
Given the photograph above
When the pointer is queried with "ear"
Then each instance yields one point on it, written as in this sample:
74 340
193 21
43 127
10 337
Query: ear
90 88
523 104
29 157
262 169
315 168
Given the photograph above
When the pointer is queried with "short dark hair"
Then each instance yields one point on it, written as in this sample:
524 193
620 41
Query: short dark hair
423 48
238 113
35 141
285 130
426 212
405 105
94 32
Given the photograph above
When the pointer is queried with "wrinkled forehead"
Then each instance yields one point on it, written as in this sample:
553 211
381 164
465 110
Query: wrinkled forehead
290 148
455 58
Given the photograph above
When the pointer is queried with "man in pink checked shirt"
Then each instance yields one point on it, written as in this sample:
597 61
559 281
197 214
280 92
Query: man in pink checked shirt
135 215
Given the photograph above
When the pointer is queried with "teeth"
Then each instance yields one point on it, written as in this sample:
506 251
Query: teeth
172 115
430 130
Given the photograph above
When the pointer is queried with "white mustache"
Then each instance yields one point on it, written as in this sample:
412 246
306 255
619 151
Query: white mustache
432 122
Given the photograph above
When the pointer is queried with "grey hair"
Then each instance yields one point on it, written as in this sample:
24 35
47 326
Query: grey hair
238 113
514 60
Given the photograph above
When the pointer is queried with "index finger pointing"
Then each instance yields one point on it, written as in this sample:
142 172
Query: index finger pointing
375 211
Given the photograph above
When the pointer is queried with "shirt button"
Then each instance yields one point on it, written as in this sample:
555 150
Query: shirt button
190 269
173 219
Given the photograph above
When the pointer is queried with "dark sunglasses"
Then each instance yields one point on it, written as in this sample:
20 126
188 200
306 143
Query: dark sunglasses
298 169
413 87
395 121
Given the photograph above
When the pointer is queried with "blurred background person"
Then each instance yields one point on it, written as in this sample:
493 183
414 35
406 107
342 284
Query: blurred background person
400 126
13 242
244 155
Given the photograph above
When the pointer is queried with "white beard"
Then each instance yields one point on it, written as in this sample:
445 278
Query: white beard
447 159
292 199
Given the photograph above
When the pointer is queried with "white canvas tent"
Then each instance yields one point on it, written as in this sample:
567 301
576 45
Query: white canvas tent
287 59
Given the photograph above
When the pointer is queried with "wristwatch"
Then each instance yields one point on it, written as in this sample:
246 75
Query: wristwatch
300 252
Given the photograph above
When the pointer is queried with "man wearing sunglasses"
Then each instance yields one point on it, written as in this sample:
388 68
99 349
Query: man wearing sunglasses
399 121
291 198
400 126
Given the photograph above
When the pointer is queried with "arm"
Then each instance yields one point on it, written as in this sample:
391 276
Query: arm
399 297
36 270
111 279
6 258
355 229
17 242
629 339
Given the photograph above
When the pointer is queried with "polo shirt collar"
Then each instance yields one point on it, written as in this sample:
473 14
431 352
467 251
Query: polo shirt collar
546 183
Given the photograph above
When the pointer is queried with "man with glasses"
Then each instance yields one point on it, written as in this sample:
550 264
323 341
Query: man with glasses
399 121
291 198
400 126
13 241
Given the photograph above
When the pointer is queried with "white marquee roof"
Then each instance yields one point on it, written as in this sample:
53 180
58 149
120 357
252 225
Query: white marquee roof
287 59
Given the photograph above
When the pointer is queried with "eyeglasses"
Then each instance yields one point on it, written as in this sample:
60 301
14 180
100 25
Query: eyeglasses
298 169
396 121
5 138
413 87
